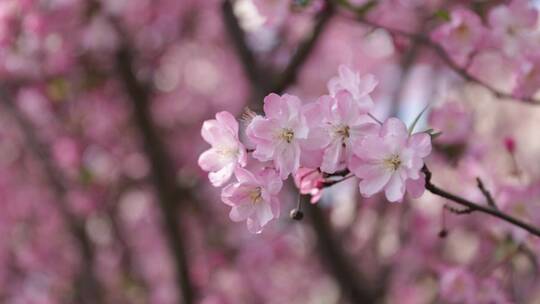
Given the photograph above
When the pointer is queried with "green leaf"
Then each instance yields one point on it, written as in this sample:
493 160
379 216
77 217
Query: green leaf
411 128
443 15
433 133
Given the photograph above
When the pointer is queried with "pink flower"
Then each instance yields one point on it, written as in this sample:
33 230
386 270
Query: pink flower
358 87
391 160
227 151
253 198
461 35
277 136
454 121
528 77
513 25
309 181
341 124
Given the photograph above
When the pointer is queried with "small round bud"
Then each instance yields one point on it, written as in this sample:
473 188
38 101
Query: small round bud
296 214
443 233
510 144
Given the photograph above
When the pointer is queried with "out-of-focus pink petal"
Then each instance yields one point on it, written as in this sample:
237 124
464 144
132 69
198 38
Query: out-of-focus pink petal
416 187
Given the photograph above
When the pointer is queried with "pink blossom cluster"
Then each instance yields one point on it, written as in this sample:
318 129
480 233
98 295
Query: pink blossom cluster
334 134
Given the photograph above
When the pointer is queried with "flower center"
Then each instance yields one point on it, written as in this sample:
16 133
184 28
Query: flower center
393 162
226 152
287 135
343 131
256 195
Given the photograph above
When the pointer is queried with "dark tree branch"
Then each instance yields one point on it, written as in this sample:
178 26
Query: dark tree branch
477 207
163 172
246 56
290 74
264 81
356 287
458 211
89 287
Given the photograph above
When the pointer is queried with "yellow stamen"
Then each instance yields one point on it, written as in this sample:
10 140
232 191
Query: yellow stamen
287 135
393 162
256 195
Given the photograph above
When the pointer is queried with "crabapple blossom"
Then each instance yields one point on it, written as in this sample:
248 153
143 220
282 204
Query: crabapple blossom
341 124
390 159
359 87
98 96
461 35
227 151
278 135
512 24
253 197
309 181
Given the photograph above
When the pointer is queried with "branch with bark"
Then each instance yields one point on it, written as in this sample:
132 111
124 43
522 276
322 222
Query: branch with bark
88 287
163 172
472 206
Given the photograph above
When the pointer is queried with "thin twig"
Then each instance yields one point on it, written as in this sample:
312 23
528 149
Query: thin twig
486 193
458 211
477 207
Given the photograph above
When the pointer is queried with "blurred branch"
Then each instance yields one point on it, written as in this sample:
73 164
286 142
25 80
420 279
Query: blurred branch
356 287
89 289
249 62
476 207
445 57
264 81
163 172
290 74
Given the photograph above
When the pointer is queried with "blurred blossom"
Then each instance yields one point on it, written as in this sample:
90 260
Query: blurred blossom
104 173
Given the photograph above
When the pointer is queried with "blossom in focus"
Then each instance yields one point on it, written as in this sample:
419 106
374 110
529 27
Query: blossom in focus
253 197
461 35
342 123
453 120
278 135
391 160
227 151
359 87
309 181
